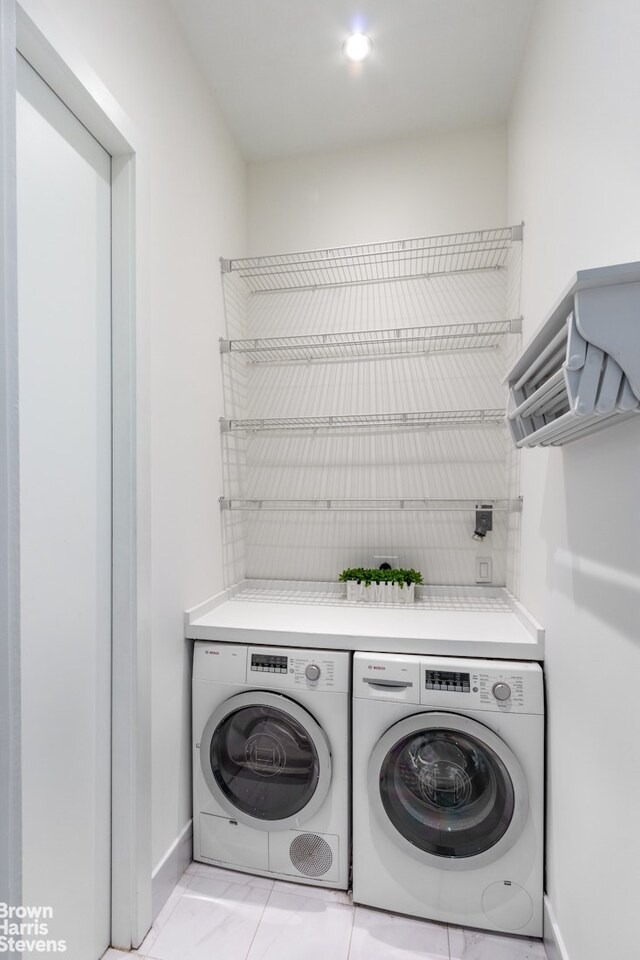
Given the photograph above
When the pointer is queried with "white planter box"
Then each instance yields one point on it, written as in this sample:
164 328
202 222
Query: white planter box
381 592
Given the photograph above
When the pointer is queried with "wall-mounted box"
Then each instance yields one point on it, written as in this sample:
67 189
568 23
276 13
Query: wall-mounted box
581 371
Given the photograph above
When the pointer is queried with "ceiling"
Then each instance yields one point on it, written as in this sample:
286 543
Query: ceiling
277 70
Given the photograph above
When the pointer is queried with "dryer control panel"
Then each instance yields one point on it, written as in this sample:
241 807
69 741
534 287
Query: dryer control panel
272 668
287 669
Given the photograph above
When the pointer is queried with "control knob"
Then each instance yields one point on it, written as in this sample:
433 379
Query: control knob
501 691
312 671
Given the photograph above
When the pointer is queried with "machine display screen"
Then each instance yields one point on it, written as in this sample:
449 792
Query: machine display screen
447 680
265 663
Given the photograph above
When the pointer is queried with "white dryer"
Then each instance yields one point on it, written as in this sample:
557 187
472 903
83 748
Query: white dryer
271 761
448 802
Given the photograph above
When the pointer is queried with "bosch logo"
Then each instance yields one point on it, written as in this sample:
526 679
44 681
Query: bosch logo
215 653
375 667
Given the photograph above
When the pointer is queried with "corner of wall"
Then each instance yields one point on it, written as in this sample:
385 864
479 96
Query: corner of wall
552 938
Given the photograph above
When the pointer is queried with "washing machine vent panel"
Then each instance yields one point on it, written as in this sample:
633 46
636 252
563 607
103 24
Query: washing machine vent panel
311 855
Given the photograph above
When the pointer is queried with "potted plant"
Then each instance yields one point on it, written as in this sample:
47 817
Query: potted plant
381 585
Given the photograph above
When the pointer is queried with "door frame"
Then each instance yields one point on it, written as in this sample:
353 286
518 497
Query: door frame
29 27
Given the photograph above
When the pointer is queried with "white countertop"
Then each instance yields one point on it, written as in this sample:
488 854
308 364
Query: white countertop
449 621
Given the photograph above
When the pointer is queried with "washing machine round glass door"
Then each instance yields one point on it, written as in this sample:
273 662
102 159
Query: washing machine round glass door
266 760
448 789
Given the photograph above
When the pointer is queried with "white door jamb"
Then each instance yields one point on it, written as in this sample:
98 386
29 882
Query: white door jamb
38 38
10 747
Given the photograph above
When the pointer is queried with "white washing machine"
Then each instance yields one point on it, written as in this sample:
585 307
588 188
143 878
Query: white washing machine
271 761
448 802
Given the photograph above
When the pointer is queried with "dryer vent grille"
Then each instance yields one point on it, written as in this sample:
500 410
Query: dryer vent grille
311 855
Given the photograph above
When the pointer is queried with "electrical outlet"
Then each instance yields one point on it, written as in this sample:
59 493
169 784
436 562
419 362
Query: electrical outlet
484 519
484 570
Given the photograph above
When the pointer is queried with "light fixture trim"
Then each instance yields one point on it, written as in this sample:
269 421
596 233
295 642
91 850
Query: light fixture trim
357 47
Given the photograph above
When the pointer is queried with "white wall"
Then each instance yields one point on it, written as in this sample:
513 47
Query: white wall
193 191
406 188
574 145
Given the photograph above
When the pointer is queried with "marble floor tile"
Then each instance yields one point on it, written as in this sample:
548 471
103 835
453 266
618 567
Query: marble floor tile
315 893
302 928
229 876
385 936
112 954
211 919
473 945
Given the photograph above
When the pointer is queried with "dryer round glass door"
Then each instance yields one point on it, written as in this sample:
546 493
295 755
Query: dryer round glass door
265 760
449 789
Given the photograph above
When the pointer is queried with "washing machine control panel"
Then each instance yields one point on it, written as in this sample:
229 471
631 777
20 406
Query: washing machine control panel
268 663
500 686
495 689
502 689
453 681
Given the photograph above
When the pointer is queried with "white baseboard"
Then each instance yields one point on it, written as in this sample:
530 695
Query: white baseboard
171 867
553 942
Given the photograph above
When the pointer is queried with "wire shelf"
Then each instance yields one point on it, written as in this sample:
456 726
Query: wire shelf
373 343
371 505
377 262
431 418
335 595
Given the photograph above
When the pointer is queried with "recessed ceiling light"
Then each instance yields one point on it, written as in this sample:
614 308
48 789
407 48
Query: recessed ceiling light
357 47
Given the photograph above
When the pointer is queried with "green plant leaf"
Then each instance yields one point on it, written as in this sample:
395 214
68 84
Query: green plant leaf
369 576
